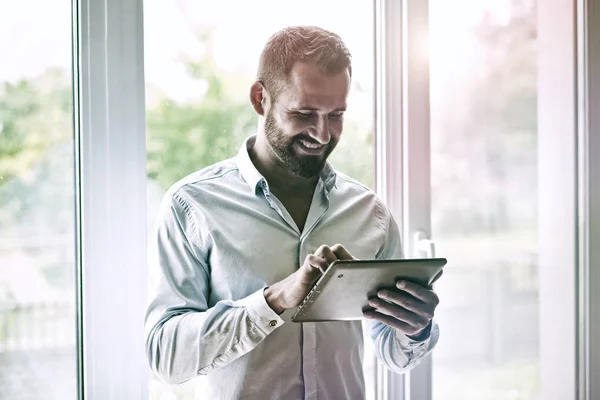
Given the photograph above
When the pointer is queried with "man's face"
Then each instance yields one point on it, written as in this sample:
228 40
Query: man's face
305 123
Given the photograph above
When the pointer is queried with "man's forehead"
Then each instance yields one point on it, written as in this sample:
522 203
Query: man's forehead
308 85
315 100
303 74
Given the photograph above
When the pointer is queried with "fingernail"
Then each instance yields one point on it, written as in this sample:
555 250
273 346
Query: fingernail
401 284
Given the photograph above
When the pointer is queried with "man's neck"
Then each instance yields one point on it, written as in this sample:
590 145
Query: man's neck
279 176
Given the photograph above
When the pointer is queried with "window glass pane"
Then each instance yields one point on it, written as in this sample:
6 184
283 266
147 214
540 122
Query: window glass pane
200 62
37 243
484 197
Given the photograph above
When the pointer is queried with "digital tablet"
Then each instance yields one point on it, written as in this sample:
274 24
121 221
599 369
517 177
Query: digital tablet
344 290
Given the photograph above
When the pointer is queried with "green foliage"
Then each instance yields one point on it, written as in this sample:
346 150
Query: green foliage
186 136
34 115
183 138
354 153
36 172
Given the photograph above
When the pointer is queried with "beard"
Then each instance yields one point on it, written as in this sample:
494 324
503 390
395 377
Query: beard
282 147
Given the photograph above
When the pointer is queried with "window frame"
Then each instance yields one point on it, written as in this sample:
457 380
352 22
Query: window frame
388 143
557 207
588 118
110 176
402 126
558 155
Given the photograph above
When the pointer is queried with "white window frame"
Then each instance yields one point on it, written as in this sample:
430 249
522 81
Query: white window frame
588 97
111 197
388 140
402 123
416 155
557 206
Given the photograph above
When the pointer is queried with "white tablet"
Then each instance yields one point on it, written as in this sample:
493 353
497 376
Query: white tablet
344 290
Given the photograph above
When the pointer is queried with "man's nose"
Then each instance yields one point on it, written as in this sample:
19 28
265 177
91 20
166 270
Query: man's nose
322 129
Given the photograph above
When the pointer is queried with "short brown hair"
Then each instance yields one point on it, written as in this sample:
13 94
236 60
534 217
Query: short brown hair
311 44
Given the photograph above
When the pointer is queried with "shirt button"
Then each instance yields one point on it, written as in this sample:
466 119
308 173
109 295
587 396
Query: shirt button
273 323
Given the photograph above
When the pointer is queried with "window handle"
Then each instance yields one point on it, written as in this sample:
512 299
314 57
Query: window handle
424 246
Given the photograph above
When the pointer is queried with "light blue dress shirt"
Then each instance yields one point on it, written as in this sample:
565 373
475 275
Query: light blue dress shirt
222 237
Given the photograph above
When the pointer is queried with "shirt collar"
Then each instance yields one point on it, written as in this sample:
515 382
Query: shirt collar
253 178
246 166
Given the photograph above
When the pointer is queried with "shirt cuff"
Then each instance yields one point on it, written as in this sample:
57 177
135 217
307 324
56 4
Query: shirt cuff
260 313
423 336
419 346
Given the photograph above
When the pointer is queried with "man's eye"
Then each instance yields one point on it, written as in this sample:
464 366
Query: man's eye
336 114
304 115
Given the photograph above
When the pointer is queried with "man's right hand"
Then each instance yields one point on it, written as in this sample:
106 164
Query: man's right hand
290 292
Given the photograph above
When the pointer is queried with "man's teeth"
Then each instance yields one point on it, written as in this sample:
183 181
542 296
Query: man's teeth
310 145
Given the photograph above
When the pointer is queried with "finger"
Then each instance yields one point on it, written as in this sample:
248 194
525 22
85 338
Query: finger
407 301
422 293
312 269
409 317
326 253
316 263
341 252
391 321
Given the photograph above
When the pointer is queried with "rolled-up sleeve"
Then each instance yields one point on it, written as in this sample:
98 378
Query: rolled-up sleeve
184 337
395 350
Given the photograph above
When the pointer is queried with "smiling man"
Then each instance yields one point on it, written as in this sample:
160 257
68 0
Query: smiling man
240 244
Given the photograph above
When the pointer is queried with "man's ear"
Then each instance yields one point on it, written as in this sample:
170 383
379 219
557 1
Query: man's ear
259 97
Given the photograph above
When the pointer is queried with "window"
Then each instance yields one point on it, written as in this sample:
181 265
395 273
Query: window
198 78
37 221
484 197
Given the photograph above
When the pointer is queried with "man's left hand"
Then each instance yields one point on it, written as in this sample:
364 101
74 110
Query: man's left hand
409 307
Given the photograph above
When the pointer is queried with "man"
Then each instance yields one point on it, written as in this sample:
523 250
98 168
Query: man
240 244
